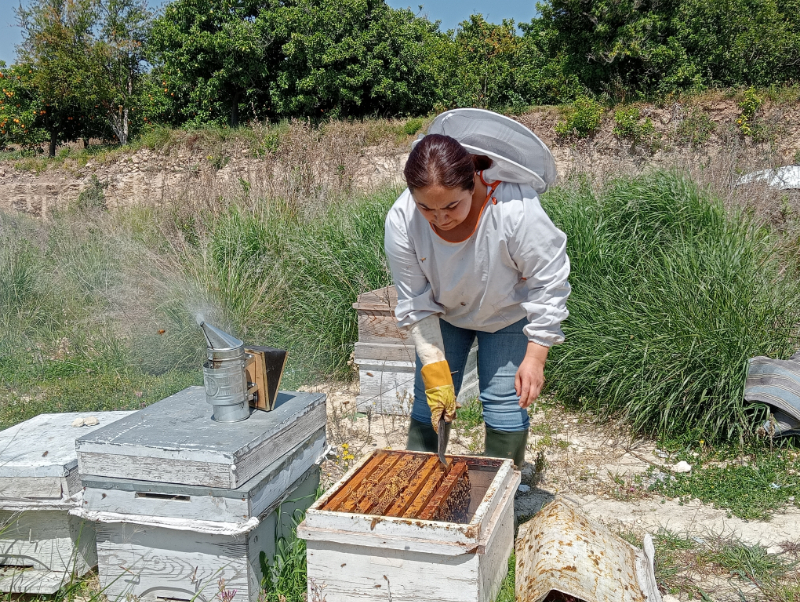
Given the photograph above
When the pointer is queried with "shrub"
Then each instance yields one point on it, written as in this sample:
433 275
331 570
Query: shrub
749 106
671 296
581 119
628 126
92 197
695 128
412 126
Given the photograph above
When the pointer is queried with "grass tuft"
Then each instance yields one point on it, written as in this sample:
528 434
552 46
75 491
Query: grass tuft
671 296
752 489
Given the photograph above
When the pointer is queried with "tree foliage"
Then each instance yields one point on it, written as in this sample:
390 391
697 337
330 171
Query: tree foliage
350 57
123 28
212 59
54 83
106 68
644 47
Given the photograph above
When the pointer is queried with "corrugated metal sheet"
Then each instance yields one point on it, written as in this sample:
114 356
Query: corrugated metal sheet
561 550
777 384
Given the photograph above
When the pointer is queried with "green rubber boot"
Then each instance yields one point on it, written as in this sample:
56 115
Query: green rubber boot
500 444
422 437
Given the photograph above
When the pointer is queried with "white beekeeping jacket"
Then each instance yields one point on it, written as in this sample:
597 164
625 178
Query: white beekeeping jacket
514 265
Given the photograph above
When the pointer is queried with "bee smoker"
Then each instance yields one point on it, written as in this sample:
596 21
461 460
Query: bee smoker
224 375
236 378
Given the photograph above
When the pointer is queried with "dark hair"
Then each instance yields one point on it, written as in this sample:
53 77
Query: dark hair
441 160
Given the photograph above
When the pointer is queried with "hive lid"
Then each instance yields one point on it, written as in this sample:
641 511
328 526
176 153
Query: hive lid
173 441
252 499
44 446
38 458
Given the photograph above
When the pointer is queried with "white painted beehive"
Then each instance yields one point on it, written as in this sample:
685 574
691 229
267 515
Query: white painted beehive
153 558
41 545
175 441
202 514
386 359
377 558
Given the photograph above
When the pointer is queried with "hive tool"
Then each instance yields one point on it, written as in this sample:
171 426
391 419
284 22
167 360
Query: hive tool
444 438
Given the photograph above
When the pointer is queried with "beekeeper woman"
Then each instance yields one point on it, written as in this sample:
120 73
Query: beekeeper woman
473 254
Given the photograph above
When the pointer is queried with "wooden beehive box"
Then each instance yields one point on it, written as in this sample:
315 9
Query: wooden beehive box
158 559
181 502
386 360
41 545
134 498
373 557
175 441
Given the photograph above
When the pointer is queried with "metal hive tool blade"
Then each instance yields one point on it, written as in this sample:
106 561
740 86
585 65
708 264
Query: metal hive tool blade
444 439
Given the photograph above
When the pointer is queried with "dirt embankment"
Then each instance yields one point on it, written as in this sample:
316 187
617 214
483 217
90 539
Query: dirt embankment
702 137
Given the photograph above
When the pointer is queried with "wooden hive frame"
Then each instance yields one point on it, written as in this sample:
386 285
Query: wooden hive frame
406 485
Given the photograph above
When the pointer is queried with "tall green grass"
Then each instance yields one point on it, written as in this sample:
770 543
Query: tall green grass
671 296
292 279
99 310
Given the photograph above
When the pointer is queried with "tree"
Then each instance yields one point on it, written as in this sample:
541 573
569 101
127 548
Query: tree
350 58
213 60
55 66
18 110
119 55
656 47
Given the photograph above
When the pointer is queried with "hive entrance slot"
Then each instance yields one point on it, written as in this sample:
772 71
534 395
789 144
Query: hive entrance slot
16 564
173 599
163 496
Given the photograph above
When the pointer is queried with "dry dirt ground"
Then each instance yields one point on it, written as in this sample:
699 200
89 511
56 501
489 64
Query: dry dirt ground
598 467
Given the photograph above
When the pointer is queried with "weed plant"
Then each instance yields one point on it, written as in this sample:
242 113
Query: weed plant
627 125
750 489
671 296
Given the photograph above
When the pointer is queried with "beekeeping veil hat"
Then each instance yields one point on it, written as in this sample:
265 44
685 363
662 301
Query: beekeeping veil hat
517 154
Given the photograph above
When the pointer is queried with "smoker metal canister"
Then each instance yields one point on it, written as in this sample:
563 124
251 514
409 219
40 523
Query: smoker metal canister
224 375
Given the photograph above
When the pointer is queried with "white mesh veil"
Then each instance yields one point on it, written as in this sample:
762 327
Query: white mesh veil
518 154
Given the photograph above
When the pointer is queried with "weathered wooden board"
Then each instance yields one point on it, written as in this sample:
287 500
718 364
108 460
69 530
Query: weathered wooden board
393 352
376 327
175 441
154 563
142 498
31 581
38 459
349 565
47 541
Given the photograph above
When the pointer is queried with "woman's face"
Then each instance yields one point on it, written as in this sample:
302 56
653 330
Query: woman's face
445 208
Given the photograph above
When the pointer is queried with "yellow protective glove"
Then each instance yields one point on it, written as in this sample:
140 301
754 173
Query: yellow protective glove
440 392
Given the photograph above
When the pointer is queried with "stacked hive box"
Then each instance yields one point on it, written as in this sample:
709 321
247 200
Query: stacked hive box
393 552
190 509
41 546
385 358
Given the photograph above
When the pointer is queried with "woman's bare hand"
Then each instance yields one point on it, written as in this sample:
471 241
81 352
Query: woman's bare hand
530 375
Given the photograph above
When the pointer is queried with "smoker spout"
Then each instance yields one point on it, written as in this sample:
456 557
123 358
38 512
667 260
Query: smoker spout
217 339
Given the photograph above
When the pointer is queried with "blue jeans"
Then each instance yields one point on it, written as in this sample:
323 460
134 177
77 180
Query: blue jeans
499 356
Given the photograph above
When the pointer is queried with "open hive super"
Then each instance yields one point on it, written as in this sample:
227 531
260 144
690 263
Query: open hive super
401 526
407 485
